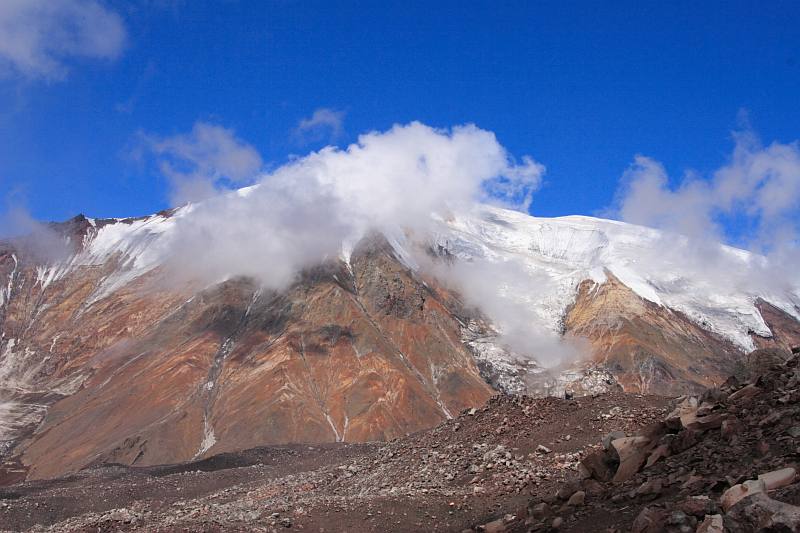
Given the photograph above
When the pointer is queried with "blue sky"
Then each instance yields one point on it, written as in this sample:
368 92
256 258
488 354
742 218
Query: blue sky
583 87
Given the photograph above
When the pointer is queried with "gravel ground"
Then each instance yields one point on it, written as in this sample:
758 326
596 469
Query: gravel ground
486 464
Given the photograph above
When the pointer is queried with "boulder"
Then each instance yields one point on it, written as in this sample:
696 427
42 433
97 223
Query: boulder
711 524
693 483
660 452
738 492
745 394
704 423
655 431
568 489
577 499
698 506
685 413
778 478
651 487
614 435
684 440
599 466
495 526
593 488
632 453
680 521
649 520
539 511
759 512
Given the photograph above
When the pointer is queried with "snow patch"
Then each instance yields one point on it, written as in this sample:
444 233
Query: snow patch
5 292
209 440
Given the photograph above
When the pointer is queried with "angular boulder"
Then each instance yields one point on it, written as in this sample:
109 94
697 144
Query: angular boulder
599 466
778 478
711 524
632 453
738 492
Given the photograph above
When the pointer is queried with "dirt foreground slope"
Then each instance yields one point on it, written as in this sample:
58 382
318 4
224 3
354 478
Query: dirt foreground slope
723 461
467 471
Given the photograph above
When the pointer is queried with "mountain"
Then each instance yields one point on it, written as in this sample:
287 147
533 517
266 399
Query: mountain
106 359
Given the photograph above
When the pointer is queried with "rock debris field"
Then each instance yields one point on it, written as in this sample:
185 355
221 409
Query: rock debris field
725 460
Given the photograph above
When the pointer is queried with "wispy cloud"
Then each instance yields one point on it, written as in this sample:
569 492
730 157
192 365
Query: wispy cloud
324 124
752 201
758 190
39 37
203 161
35 239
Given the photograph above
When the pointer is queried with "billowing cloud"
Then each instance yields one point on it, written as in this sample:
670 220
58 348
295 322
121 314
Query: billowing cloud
38 37
500 290
515 188
324 124
201 163
647 199
306 210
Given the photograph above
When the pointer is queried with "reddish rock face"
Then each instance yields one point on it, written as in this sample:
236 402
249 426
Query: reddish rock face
785 329
648 348
149 375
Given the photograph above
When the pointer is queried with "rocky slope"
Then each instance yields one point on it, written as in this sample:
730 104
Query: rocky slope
466 471
149 375
646 346
104 359
661 313
725 460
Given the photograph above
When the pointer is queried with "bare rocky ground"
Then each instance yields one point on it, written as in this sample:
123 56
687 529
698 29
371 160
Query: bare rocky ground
614 462
467 471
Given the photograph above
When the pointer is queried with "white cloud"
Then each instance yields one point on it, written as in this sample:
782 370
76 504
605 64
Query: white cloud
758 190
305 210
37 37
648 199
201 162
751 201
324 124
515 189
500 290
